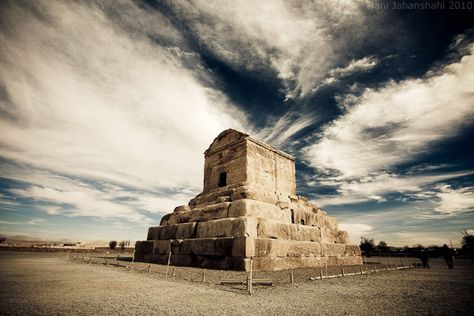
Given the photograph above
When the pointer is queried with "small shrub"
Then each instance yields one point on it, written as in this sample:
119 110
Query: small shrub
468 244
367 245
122 245
382 246
112 244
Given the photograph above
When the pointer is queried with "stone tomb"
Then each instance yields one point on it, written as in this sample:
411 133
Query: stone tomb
248 208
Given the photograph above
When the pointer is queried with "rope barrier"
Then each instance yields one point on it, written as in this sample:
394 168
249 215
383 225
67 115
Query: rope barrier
249 281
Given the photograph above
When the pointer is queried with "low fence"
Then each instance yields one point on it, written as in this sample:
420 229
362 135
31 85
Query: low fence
245 280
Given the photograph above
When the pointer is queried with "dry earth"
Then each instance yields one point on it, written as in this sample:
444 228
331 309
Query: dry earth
46 284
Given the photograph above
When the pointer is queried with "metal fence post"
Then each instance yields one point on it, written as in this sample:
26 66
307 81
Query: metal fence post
249 278
168 264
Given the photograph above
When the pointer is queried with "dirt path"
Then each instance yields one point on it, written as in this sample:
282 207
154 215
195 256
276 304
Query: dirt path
39 283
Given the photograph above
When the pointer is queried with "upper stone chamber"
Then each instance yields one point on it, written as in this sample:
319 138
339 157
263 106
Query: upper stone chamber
248 208
237 164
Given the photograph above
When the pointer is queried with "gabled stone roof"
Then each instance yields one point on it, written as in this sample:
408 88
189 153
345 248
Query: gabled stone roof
231 136
227 137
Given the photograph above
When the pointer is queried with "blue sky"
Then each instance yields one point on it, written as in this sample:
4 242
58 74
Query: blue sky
106 108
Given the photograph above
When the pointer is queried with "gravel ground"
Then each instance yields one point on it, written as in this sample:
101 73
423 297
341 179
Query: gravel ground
46 284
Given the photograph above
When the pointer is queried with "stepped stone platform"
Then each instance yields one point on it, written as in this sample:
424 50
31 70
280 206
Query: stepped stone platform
248 209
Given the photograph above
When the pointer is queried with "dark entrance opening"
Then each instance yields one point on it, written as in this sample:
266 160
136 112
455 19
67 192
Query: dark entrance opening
223 179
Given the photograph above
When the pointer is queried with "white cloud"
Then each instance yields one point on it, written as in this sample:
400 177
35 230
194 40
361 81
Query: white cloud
36 221
33 221
447 202
285 128
8 203
453 201
74 197
301 41
86 95
84 98
373 187
355 66
2 222
359 65
397 122
85 202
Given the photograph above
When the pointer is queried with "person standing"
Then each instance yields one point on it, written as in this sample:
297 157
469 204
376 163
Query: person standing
424 259
448 255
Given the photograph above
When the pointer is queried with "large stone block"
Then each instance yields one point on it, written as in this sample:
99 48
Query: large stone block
207 246
311 219
161 247
304 216
206 213
329 229
228 227
143 250
243 247
210 212
340 250
211 196
258 209
274 248
176 231
271 170
209 262
343 237
253 192
153 233
277 230
281 263
182 208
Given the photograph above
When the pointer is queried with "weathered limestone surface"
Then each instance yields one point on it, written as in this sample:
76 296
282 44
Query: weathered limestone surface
285 231
248 208
258 209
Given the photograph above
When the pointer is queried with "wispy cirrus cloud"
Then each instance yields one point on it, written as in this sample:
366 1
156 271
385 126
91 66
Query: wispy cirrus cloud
70 196
363 64
82 96
33 221
447 201
84 202
384 127
454 201
374 187
301 41
354 67
106 108
285 128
